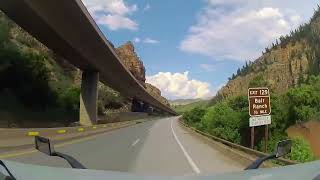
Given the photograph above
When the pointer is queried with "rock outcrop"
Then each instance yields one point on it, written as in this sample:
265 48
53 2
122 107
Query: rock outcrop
131 60
281 68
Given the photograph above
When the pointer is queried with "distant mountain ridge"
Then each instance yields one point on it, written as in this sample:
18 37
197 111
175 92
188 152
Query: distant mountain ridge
183 101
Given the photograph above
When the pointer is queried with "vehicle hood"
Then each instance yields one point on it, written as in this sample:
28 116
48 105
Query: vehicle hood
34 172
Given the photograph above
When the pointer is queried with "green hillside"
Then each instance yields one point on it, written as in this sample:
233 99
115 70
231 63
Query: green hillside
183 101
183 108
38 88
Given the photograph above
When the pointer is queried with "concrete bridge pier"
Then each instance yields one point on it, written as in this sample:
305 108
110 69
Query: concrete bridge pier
88 98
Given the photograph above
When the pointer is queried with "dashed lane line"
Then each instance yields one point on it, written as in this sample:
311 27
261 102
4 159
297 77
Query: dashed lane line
135 142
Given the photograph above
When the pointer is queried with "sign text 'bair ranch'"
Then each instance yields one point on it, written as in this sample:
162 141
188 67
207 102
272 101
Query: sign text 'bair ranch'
259 110
259 101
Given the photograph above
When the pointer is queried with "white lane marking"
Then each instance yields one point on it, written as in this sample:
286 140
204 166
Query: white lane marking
191 162
135 142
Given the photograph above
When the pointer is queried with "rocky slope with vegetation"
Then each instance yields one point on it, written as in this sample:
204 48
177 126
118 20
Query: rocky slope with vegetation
40 89
291 69
287 63
36 85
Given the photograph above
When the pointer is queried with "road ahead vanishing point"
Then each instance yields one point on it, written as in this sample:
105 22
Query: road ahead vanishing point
158 147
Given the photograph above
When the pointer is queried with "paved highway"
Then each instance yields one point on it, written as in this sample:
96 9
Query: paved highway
159 147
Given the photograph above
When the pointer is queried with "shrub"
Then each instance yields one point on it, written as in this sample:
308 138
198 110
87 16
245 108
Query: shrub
301 151
222 121
274 138
108 99
70 99
194 116
26 75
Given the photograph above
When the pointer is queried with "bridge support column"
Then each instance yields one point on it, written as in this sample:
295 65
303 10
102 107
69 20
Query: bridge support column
88 98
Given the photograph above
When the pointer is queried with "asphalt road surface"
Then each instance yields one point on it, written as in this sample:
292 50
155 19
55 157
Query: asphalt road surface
159 147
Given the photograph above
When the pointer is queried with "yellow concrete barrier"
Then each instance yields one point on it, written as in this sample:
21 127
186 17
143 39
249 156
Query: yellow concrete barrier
33 133
105 125
94 127
61 131
80 129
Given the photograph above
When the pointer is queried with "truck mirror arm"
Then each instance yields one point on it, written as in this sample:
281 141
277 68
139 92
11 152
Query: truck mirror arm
256 164
72 161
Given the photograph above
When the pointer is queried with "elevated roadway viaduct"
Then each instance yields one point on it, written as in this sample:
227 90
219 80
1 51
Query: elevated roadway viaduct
67 28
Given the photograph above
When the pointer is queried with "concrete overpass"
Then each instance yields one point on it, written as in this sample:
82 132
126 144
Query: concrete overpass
67 28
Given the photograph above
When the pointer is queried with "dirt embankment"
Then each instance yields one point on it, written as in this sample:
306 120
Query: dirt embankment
310 131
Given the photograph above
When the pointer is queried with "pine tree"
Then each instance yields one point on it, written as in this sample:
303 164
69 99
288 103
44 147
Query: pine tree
233 76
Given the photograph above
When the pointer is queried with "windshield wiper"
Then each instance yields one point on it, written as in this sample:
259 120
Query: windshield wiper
10 177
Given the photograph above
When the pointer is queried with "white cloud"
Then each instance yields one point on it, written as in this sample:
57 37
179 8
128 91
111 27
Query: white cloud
207 67
146 40
150 41
112 13
178 85
136 40
116 22
237 31
224 2
147 7
296 19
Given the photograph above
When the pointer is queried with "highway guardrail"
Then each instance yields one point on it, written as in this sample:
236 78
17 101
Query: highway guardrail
237 146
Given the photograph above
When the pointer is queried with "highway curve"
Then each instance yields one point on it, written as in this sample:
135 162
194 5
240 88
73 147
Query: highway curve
159 147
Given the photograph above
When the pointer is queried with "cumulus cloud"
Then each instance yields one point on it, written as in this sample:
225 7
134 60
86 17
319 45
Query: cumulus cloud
116 22
150 41
179 85
146 40
136 40
112 13
237 30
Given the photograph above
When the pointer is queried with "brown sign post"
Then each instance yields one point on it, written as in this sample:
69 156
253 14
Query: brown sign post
259 111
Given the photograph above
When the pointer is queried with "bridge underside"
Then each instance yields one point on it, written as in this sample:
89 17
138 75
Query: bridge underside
67 28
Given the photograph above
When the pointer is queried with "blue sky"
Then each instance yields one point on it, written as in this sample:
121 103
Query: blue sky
190 48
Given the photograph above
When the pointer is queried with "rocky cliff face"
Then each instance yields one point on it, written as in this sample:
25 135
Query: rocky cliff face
131 60
280 69
283 66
